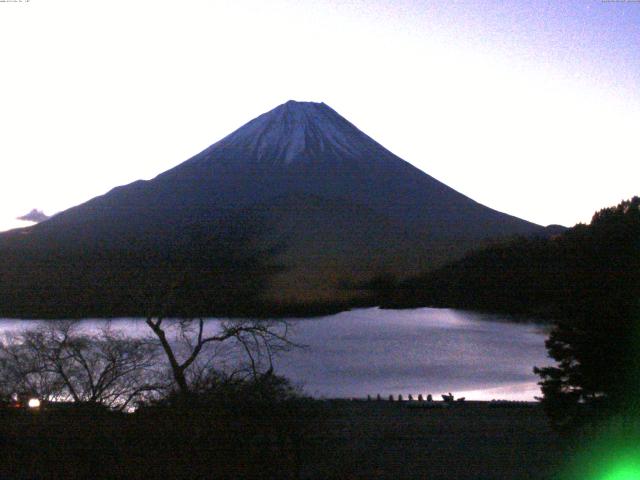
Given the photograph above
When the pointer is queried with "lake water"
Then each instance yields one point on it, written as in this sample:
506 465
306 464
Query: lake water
418 351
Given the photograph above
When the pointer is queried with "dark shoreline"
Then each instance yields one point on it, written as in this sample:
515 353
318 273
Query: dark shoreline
333 439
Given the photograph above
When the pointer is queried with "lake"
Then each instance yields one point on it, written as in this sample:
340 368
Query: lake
418 351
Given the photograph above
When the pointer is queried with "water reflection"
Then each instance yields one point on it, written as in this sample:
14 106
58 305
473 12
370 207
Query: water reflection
420 351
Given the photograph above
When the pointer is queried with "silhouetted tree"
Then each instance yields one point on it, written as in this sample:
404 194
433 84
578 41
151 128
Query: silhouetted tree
596 341
215 272
57 362
256 340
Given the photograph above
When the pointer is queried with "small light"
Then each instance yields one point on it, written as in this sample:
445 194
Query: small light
33 403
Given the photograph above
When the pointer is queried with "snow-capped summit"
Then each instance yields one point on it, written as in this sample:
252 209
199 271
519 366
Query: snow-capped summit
297 132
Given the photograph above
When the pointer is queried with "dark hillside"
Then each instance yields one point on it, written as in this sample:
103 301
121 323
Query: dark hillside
584 267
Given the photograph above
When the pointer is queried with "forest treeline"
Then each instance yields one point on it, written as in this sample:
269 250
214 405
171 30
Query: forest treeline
192 271
546 278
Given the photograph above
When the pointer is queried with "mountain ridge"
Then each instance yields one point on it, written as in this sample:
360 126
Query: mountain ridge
341 208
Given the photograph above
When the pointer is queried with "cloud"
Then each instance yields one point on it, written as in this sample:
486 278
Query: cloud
34 215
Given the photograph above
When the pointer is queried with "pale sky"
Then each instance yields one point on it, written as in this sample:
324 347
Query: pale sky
529 107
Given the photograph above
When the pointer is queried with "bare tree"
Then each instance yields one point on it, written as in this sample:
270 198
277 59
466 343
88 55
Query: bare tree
255 341
57 362
196 279
22 369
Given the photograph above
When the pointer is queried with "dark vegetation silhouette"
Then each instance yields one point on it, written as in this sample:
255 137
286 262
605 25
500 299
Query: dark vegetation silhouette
200 412
57 362
210 270
520 276
244 430
234 429
597 340
259 341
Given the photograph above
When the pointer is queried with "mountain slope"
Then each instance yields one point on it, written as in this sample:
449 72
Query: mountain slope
332 206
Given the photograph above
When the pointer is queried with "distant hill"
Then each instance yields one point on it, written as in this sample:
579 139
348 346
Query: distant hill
298 204
34 215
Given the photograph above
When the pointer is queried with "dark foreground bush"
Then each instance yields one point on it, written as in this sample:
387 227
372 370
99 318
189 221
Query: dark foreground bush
236 430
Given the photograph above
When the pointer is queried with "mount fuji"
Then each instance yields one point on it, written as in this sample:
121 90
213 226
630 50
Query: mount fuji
330 207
